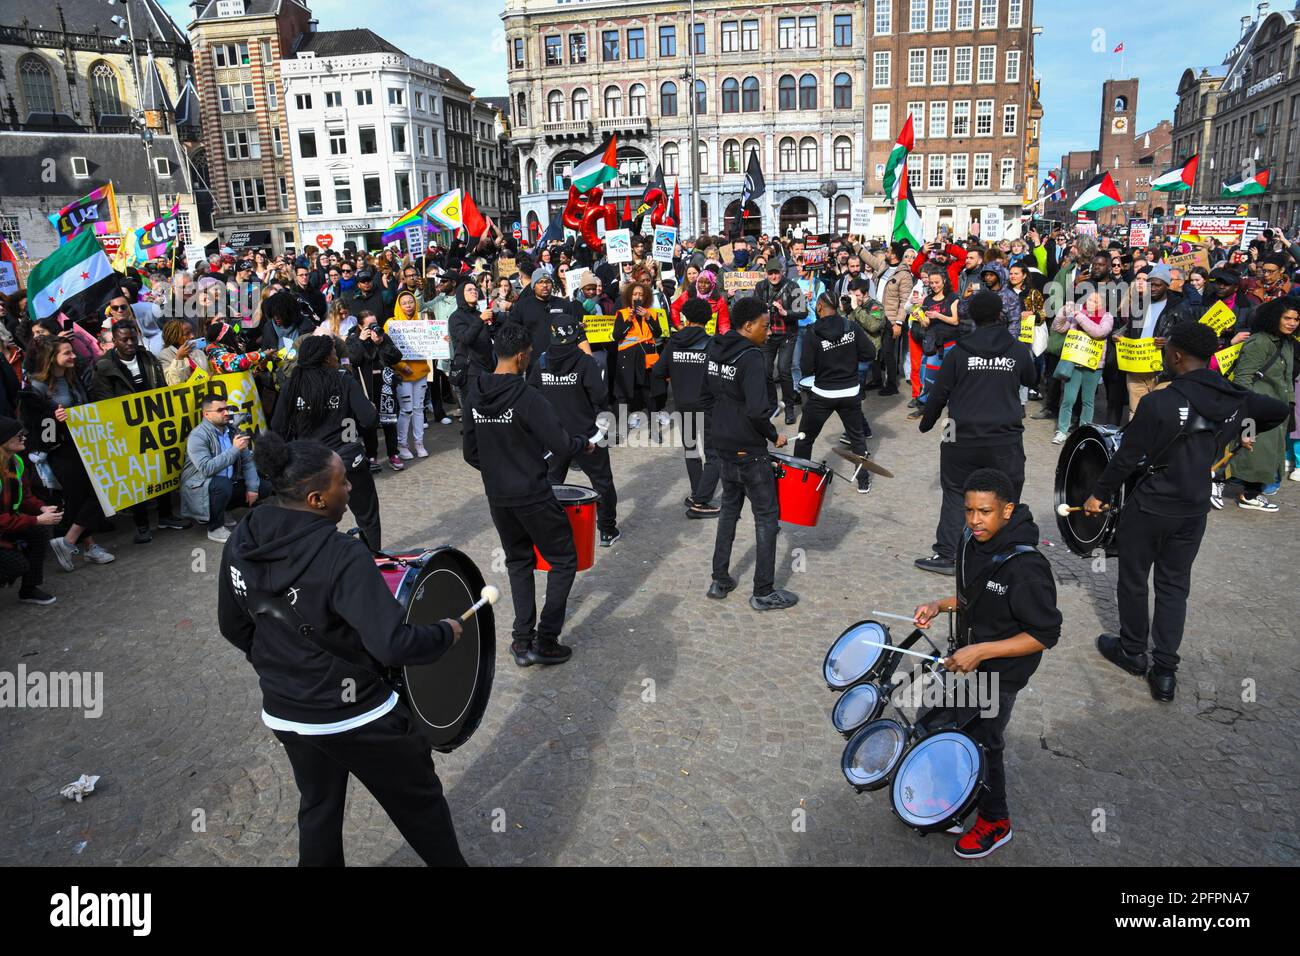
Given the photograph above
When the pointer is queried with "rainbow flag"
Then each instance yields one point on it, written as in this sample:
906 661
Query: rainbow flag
412 217
153 240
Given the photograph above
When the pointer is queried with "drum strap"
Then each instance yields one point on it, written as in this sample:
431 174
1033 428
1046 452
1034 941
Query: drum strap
277 607
968 594
1195 423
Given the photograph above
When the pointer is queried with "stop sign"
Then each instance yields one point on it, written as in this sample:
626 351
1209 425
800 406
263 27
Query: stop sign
324 240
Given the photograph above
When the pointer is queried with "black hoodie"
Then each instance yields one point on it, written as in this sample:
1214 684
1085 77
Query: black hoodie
1019 597
538 317
353 408
832 348
1182 488
980 380
574 386
685 363
737 379
471 339
331 582
508 429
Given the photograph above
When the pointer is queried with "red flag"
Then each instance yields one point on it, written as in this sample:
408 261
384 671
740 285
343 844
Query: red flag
1120 48
627 208
677 213
474 222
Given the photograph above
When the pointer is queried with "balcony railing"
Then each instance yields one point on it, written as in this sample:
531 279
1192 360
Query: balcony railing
569 128
623 124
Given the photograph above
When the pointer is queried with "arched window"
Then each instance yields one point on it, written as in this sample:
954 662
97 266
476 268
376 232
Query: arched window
521 110
730 95
530 181
843 154
580 101
672 165
701 98
787 155
668 99
843 91
785 94
703 158
843 213
105 90
731 156
749 98
808 159
555 106
752 148
636 100
38 85
807 92
613 102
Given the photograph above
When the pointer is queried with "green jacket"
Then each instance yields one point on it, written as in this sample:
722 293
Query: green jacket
870 317
1264 463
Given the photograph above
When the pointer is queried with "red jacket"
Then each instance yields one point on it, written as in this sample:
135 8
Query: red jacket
17 514
957 257
717 305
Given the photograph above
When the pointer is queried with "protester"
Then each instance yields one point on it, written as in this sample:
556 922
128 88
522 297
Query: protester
218 469
372 356
1267 366
684 363
1080 382
635 338
411 389
25 520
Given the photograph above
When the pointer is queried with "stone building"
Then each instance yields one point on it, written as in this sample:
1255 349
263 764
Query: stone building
506 167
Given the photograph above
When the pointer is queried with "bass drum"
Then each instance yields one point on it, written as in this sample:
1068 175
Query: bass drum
1084 456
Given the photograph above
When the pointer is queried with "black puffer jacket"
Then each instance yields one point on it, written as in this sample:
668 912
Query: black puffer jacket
471 341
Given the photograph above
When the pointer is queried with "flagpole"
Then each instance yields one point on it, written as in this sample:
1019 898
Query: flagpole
695 132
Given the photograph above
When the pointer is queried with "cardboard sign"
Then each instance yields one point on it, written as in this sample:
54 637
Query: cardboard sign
1219 318
1139 233
1225 359
1027 330
1187 261
665 242
741 281
420 338
575 279
1082 349
506 267
727 254
1140 356
8 279
860 218
618 245
600 328
991 224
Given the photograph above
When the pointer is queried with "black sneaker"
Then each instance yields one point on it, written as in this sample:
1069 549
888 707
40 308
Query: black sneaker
1044 414
720 589
778 600
1111 649
844 440
548 651
938 564
520 651
886 392
143 536
703 511
1161 682
864 483
607 538
175 524
791 416
914 403
35 596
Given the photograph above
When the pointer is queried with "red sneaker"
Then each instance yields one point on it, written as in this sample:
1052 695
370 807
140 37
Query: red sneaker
983 838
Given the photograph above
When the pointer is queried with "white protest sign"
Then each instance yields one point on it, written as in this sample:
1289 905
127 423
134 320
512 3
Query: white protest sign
8 279
991 225
193 253
665 242
415 240
618 245
1254 230
420 338
860 218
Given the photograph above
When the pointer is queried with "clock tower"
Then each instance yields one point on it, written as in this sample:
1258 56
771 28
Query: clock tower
1119 102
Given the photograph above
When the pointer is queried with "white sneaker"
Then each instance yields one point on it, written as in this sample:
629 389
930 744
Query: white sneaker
1295 474
97 555
220 535
445 420
1257 503
404 453
420 451
64 553
1216 495
1059 438
634 420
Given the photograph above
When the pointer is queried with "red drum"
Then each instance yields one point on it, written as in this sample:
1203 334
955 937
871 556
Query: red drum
580 505
801 489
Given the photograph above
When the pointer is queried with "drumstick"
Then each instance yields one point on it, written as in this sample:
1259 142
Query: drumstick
490 595
896 617
1064 509
902 650
1224 460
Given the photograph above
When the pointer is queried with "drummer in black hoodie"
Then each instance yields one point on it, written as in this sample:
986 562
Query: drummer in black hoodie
1171 441
685 363
832 349
1007 616
508 428
575 387
979 382
286 566
742 427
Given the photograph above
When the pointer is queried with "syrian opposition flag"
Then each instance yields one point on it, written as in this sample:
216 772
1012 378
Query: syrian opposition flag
596 169
1177 179
1101 192
907 218
897 158
75 278
1251 186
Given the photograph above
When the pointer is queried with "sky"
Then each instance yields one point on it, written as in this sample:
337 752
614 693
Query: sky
467 38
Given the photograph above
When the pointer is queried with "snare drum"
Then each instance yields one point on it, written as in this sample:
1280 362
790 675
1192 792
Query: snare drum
801 489
1084 456
579 505
872 754
851 659
938 781
857 705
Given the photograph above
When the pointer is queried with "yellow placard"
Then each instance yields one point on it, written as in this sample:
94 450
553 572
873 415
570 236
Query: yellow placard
600 328
1219 318
1082 349
1225 359
1138 356
133 447
1027 330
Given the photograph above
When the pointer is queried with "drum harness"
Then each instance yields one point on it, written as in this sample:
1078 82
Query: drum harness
1193 423
977 587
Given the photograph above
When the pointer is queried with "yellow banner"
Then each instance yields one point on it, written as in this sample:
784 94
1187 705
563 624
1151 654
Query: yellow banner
600 328
1138 356
1027 330
1082 349
1219 318
1225 359
133 447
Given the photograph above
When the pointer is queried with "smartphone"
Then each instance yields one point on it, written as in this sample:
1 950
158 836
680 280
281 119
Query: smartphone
198 343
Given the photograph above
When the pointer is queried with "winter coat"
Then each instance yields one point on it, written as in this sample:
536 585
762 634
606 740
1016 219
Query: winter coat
1010 301
204 460
892 292
1264 463
1096 326
112 380
179 370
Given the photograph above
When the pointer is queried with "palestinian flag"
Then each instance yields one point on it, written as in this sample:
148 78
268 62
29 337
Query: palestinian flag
596 169
1255 185
1101 192
75 279
907 218
1177 179
897 157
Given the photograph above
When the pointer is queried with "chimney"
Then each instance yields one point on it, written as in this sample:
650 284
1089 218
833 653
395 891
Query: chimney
1245 25
312 25
1260 10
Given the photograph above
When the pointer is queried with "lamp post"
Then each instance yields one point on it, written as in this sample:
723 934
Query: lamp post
137 114
695 130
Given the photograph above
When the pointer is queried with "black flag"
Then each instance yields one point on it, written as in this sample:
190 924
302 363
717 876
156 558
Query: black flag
656 182
753 189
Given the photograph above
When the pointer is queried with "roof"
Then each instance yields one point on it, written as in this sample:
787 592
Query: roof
154 95
345 43
187 107
499 103
252 8
119 157
84 16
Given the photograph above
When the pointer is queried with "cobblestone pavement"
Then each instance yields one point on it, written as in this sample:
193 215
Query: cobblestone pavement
582 769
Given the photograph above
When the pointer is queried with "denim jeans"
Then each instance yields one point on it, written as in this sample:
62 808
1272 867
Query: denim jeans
748 476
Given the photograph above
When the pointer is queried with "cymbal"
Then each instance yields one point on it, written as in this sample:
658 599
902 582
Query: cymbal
865 462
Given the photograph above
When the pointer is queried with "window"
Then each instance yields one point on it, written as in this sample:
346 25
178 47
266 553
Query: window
749 95
808 33
938 171
1008 180
988 64
373 194
983 117
884 16
959 180
881 71
671 160
807 92
961 118
242 144
398 131
668 41
702 158
730 95
749 35
844 29
787 155
578 104
843 154
554 52
365 97
338 142
965 14
272 96
938 118
983 168
916 67
521 110
517 47
785 93
1015 12
277 144
668 99
265 46
342 194
302 101
1013 66
701 98
809 158
751 149
731 156
104 90
230 54
613 102
555 106
880 121
1010 118
843 92
396 96
307 143
917 22
942 18
402 183
250 102
988 14
248 195
367 140
701 38
333 98
939 67
609 45
917 111
730 36
636 100
961 69
915 175
421 143
787 33
636 43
